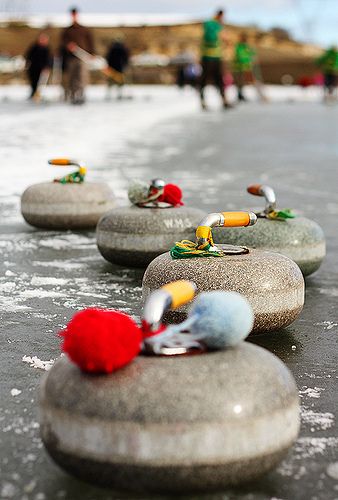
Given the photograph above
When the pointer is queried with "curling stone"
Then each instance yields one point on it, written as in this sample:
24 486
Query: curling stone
68 202
299 238
174 422
135 235
272 283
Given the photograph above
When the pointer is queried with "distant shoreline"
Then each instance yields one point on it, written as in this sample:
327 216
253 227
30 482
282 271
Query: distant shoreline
278 53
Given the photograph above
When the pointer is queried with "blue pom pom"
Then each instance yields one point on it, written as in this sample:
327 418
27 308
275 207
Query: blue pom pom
222 319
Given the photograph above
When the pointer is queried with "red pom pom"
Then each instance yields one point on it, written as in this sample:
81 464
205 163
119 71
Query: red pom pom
101 341
172 194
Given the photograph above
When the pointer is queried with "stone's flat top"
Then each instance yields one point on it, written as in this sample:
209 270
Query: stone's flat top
45 276
246 272
135 220
55 192
140 212
273 234
202 388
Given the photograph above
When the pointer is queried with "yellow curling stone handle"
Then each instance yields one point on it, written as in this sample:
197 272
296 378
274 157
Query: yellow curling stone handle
221 219
236 219
181 292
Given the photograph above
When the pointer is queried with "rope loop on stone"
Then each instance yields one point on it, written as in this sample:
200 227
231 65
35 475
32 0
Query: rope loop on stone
186 249
76 177
282 215
204 246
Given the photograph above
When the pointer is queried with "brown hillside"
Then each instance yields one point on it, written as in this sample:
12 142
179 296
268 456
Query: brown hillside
278 54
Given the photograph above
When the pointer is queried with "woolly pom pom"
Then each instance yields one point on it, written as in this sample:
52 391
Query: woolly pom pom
172 194
223 319
101 341
138 192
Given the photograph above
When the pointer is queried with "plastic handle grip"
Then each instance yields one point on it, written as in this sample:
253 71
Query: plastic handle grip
181 292
255 189
236 219
60 161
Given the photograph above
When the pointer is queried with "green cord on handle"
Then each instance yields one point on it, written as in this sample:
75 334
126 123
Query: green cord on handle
76 177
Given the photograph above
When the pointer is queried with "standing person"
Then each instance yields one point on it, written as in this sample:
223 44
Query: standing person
212 64
243 65
63 55
75 69
188 74
38 62
328 62
117 59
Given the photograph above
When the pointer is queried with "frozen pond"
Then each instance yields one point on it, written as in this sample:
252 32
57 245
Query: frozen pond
289 143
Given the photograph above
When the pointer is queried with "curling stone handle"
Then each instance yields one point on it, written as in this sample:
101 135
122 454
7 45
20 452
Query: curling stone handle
267 192
170 296
255 189
181 292
63 162
239 219
157 184
228 219
222 219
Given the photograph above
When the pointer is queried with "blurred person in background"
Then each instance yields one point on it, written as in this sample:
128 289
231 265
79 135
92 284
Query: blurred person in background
243 65
117 59
74 38
38 63
189 74
247 69
328 63
211 51
64 75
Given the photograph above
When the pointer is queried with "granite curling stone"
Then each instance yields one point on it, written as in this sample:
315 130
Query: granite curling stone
66 203
272 283
299 238
135 235
174 423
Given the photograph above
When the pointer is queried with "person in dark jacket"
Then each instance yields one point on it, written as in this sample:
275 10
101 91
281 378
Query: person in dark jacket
117 59
76 71
38 60
118 56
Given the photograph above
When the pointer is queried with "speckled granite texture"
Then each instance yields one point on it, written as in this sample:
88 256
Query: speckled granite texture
300 239
52 205
172 424
272 283
134 236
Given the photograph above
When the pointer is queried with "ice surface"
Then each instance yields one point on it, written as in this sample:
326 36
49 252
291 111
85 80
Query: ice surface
48 275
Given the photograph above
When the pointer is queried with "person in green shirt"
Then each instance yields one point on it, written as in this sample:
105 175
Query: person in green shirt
328 62
243 65
211 52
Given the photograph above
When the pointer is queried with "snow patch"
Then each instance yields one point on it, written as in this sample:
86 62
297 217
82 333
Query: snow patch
15 392
307 447
328 325
317 420
40 294
59 264
73 241
49 281
310 392
36 362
